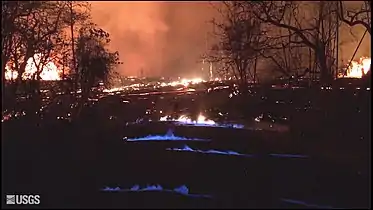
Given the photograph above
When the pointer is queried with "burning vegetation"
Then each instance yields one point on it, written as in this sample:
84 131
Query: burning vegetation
49 71
357 69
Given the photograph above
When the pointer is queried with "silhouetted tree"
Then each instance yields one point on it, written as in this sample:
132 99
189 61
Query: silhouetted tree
37 31
315 27
240 41
94 61
286 57
30 28
79 16
356 16
12 14
36 27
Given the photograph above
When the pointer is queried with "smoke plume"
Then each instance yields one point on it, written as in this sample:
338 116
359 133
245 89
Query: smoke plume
168 38
156 38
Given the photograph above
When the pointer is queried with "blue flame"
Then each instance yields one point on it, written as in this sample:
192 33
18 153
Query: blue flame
111 189
186 148
152 188
169 136
135 188
183 190
302 203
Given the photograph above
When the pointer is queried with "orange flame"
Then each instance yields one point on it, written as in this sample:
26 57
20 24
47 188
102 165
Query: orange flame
358 69
49 71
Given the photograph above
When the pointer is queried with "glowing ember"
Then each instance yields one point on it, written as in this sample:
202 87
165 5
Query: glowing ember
12 115
49 70
358 69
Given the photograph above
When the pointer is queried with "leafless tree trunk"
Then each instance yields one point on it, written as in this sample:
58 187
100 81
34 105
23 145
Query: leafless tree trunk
74 68
241 39
311 31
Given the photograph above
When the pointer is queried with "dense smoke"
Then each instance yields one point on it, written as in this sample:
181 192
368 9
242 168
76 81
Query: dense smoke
168 38
162 38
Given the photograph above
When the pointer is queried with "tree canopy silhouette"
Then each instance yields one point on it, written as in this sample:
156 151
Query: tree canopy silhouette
95 63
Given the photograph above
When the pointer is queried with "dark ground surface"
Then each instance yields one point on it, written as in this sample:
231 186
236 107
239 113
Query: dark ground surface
68 163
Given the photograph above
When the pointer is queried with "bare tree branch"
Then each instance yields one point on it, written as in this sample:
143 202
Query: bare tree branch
356 17
319 34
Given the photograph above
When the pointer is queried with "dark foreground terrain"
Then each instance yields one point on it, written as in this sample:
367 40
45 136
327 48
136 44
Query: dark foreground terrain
322 161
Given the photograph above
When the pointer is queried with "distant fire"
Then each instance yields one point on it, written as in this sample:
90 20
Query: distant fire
184 82
184 119
358 69
180 82
10 75
200 121
49 72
